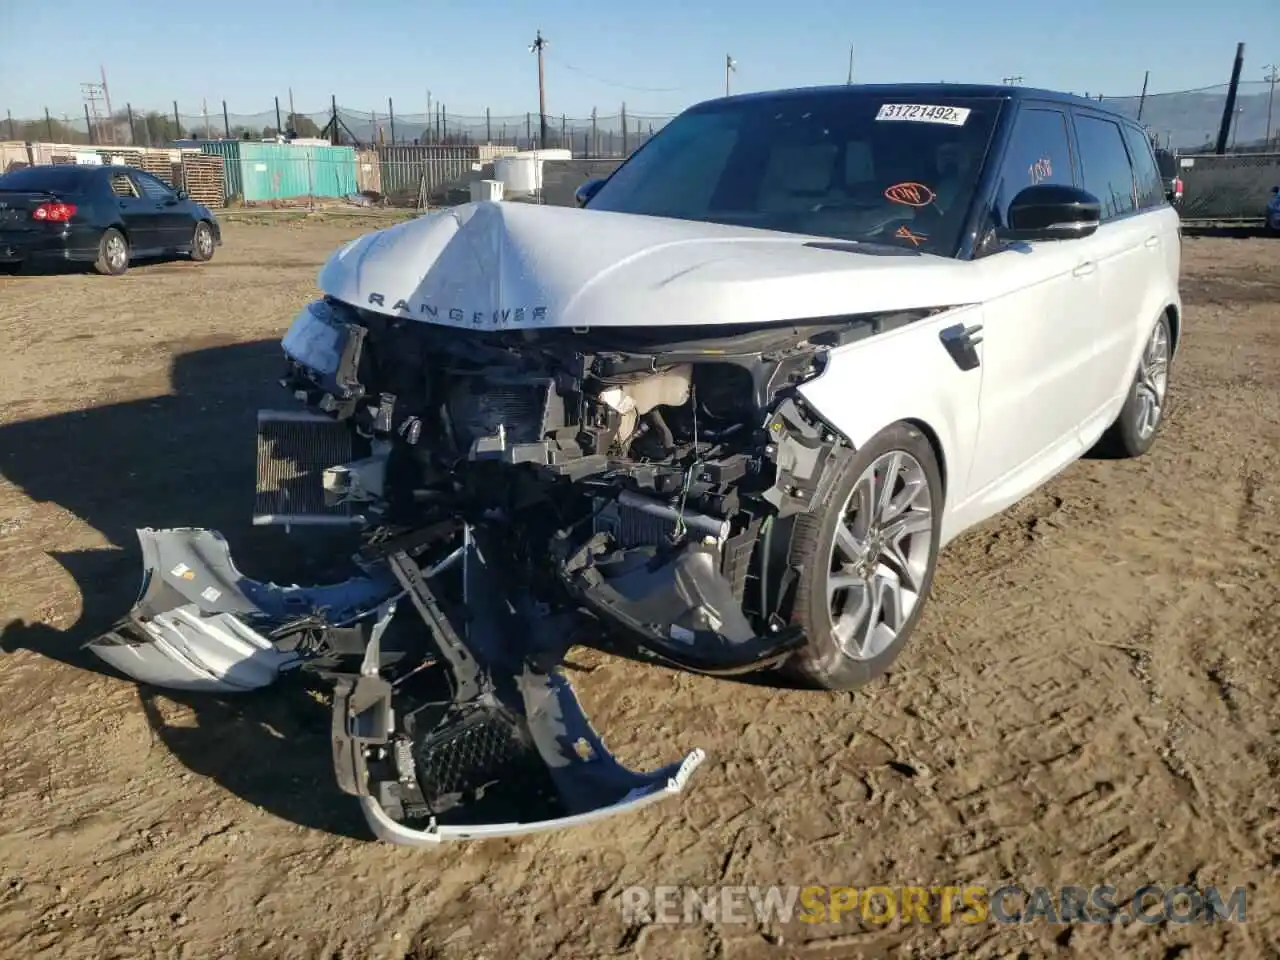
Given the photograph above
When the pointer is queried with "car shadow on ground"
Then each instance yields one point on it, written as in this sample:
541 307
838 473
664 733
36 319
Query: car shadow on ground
57 268
184 459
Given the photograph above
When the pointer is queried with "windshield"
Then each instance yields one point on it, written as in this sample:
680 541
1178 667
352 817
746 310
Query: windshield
60 179
846 166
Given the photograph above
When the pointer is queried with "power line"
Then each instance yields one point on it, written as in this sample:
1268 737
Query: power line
610 83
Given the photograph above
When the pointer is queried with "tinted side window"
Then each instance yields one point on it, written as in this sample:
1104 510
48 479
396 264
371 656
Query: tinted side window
152 188
1145 172
1107 174
1039 151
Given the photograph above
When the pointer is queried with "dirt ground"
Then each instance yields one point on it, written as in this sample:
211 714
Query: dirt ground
1091 698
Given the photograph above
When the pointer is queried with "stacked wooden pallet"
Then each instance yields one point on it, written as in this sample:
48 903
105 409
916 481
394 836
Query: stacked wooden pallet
162 166
128 158
204 178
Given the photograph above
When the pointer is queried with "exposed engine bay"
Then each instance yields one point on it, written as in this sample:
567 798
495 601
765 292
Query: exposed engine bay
630 472
516 492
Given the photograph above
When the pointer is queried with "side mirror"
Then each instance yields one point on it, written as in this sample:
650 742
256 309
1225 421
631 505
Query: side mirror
588 190
182 195
1051 211
1275 189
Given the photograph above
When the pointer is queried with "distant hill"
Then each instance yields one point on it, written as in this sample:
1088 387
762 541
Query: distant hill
1191 119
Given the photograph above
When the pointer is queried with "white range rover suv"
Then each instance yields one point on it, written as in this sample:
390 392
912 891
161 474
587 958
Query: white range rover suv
726 413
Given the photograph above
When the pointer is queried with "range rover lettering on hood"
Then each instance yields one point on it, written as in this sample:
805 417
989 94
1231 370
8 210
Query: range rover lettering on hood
510 266
503 317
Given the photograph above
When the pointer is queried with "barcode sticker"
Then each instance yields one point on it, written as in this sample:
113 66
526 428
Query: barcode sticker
924 113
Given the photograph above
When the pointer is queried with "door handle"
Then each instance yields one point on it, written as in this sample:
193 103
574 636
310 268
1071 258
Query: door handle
962 343
1084 269
1153 241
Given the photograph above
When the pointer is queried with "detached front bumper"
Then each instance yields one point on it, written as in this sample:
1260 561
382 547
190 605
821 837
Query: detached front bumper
446 727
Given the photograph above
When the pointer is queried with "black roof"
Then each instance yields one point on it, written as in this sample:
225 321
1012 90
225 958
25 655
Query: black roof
73 168
967 91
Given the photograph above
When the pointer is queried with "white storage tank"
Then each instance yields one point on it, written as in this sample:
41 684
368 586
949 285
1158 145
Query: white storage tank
521 172
518 172
486 190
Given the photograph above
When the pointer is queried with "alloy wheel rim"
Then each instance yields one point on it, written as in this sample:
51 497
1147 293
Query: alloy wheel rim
1153 381
204 240
880 555
115 251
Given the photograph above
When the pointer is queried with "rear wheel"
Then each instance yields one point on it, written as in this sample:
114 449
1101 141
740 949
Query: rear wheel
202 242
867 556
113 253
1143 412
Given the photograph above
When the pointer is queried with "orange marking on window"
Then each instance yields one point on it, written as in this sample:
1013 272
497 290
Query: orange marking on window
903 233
910 194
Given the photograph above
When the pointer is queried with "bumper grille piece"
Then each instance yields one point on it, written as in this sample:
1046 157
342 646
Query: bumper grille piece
484 757
294 450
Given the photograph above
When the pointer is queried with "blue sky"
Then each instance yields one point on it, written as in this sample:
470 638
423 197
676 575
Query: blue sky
658 55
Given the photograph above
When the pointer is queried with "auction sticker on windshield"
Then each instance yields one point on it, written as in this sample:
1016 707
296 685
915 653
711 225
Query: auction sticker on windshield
924 113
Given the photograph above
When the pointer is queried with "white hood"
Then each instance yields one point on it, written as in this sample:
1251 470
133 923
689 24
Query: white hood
495 265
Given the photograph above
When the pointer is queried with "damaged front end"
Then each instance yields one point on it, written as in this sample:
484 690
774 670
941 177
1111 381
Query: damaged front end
517 492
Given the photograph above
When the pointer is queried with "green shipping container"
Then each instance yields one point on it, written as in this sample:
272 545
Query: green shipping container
262 172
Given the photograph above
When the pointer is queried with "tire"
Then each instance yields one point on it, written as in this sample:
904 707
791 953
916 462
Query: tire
202 242
827 661
1134 430
113 253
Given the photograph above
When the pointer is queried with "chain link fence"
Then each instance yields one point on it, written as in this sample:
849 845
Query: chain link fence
1229 189
417 159
1184 121
614 134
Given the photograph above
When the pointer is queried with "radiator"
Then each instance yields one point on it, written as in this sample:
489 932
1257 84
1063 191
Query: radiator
294 449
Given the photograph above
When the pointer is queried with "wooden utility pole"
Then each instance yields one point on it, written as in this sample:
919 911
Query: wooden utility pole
1229 108
106 99
1273 75
537 47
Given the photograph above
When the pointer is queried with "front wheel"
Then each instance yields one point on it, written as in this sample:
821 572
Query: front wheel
867 557
113 253
202 242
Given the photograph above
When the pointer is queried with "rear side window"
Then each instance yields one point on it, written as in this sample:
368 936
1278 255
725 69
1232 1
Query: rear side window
1145 172
1039 151
1107 173
122 186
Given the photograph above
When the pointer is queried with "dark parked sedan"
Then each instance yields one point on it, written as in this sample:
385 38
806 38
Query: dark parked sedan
103 215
